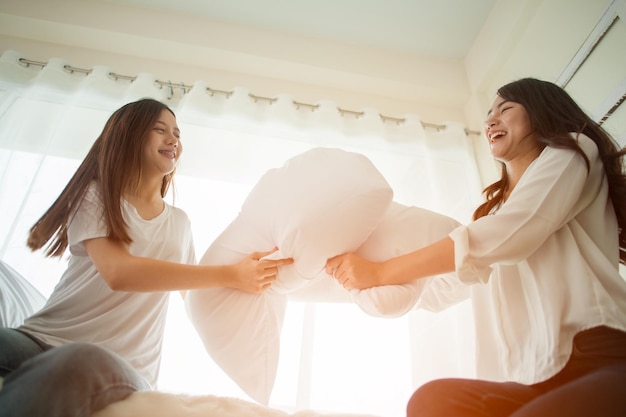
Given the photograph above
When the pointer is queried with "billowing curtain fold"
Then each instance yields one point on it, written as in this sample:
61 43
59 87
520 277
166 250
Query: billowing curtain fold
333 357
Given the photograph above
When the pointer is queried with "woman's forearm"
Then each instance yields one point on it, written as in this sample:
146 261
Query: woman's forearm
434 259
145 274
125 272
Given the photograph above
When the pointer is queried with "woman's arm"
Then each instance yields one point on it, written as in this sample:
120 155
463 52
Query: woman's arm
352 271
125 272
550 193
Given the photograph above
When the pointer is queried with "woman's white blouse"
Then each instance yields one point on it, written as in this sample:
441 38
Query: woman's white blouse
544 267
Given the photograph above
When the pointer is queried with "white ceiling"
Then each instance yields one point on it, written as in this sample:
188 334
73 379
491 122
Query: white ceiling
429 28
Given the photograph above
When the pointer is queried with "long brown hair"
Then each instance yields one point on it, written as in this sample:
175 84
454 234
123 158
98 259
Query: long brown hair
554 115
115 163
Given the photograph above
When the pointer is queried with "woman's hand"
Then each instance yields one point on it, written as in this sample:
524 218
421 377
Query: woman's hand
254 274
354 272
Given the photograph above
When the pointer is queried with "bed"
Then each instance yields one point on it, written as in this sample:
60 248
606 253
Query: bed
159 404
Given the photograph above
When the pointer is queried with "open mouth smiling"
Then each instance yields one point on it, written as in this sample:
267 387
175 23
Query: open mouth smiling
495 135
169 154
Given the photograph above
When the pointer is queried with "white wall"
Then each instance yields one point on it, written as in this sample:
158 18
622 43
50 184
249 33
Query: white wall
527 38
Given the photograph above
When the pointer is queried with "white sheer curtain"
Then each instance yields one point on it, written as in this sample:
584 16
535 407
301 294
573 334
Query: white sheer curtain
334 357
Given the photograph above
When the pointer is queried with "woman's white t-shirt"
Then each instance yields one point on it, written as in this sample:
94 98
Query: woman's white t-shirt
82 307
543 267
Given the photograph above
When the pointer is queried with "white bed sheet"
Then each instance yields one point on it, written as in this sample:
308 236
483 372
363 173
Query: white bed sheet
18 298
159 404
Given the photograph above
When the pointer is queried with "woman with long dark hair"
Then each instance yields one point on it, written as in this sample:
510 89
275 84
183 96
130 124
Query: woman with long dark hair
542 258
98 338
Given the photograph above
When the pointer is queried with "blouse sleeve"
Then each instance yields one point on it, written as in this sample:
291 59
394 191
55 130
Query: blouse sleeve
552 191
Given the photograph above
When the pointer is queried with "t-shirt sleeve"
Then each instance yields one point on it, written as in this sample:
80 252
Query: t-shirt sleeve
550 194
87 223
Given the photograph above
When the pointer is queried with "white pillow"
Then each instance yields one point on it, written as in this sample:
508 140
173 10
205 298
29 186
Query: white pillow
241 333
319 204
403 229
18 298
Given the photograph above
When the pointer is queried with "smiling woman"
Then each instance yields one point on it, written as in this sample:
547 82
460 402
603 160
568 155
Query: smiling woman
550 310
127 248
512 139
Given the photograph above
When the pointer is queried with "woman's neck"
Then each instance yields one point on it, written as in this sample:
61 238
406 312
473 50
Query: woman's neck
147 201
516 168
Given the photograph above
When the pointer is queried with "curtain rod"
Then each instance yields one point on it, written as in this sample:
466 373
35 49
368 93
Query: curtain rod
186 87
